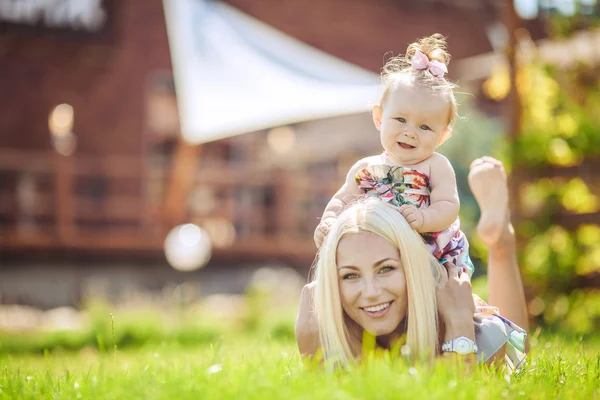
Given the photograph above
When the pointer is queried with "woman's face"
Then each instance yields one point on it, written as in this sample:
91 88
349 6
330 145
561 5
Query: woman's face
372 283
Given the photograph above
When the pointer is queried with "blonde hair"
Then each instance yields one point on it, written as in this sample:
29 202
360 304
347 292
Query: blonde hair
421 271
399 71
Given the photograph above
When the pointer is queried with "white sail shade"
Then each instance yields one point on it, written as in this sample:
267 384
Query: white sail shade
235 74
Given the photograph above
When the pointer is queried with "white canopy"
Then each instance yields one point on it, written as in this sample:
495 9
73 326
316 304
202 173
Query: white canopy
234 74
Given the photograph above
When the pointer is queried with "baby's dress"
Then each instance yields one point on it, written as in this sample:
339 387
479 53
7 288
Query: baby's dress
401 185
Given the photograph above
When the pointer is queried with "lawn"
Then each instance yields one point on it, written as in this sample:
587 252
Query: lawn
260 366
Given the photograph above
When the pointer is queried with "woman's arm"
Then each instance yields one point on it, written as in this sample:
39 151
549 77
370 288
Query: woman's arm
456 309
444 202
307 327
455 303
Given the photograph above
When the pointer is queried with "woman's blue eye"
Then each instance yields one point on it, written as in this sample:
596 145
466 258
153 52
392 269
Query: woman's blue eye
402 120
425 128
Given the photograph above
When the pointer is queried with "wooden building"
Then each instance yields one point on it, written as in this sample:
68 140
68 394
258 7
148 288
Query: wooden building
109 185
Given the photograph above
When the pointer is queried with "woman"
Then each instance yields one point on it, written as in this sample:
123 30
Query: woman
374 274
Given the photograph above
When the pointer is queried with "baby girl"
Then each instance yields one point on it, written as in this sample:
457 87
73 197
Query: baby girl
415 116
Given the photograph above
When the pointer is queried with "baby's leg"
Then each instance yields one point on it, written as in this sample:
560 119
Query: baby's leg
488 184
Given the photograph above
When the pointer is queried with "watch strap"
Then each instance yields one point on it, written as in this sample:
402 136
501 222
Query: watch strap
450 345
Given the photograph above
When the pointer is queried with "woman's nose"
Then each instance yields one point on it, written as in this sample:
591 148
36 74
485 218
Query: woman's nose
372 290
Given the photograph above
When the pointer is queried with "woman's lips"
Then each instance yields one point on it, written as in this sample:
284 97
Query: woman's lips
381 309
405 146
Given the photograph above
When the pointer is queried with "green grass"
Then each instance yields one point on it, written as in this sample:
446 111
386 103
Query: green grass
260 366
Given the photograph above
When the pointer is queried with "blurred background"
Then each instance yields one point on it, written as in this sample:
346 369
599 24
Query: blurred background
164 163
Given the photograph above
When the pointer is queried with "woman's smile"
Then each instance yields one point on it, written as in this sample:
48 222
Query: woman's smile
378 310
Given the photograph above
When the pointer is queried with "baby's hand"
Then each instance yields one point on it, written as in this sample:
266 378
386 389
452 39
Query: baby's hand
414 216
322 230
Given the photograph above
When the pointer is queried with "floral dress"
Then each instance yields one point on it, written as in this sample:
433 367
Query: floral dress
401 185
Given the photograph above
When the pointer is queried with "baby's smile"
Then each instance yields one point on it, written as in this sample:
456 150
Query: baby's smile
405 146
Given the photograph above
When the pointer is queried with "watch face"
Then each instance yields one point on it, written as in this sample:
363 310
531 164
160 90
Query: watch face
463 346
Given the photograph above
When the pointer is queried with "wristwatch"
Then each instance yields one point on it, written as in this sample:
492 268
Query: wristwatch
461 345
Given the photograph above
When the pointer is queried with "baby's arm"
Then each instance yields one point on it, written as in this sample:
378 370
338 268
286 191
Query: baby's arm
444 202
348 191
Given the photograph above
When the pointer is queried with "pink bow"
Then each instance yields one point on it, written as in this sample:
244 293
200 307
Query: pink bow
420 62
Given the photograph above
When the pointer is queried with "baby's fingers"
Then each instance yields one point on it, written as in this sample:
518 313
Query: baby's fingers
452 270
407 210
411 218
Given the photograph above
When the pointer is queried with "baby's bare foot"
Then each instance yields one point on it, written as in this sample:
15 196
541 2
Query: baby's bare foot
487 180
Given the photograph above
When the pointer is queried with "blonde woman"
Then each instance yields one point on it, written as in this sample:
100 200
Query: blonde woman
375 274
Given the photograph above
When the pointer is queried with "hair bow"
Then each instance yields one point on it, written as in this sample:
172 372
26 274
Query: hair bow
420 62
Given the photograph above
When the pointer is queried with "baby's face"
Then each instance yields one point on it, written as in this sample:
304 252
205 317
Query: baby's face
413 122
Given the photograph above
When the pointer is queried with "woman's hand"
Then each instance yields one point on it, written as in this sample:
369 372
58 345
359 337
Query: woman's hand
307 326
455 303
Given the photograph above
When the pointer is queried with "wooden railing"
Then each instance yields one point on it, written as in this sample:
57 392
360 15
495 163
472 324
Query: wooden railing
114 204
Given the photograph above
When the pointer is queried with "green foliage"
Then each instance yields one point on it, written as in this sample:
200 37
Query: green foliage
561 125
560 129
563 26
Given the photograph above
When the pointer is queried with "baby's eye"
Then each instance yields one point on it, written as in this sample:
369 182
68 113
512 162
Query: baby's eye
386 269
425 128
350 276
402 120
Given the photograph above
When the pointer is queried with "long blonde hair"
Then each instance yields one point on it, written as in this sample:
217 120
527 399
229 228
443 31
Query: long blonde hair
420 268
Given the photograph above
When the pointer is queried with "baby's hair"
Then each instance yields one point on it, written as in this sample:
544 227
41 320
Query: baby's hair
399 71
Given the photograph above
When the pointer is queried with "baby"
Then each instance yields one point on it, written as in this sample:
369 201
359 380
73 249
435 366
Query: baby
415 116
